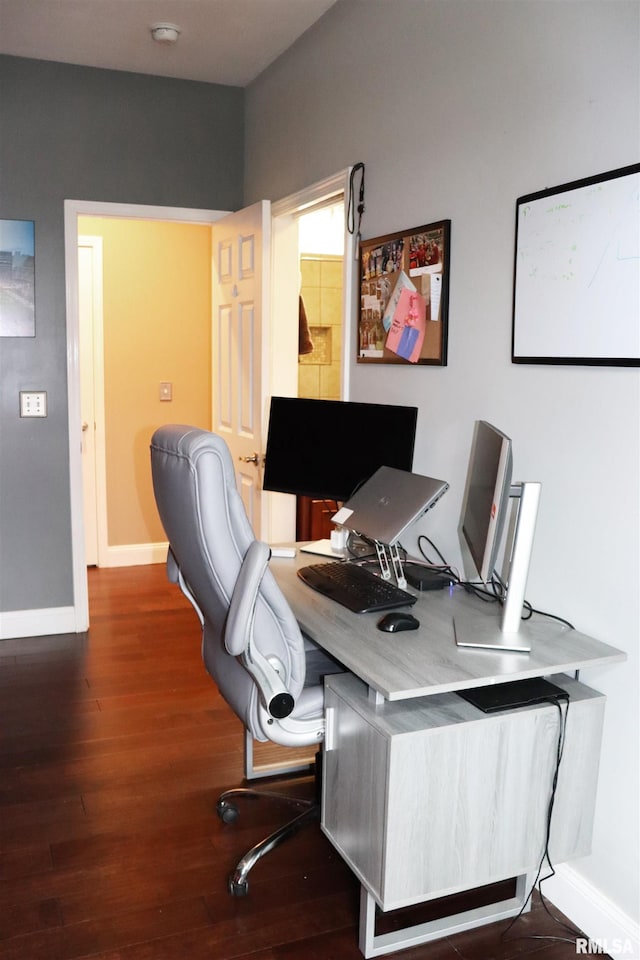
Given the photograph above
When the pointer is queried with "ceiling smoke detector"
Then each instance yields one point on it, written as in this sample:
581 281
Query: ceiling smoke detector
165 32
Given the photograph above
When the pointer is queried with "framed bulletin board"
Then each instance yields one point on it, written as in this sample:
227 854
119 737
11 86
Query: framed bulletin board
404 297
576 294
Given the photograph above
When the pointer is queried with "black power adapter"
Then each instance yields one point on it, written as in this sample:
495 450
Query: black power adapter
423 578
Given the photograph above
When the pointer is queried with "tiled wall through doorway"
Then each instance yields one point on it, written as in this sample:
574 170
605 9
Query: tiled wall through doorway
321 290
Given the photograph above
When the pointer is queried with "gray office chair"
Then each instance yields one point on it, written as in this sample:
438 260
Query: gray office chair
252 646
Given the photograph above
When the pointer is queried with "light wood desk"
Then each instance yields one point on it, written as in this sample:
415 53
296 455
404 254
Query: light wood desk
424 795
427 661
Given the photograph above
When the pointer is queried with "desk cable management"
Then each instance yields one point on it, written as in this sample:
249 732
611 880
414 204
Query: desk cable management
498 586
539 880
496 595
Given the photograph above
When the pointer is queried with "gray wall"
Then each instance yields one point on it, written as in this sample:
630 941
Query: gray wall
70 132
458 107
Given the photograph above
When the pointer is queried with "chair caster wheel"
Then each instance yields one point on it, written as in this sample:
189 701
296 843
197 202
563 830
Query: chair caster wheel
238 888
228 812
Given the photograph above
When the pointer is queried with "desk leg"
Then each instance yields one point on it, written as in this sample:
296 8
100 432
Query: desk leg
375 945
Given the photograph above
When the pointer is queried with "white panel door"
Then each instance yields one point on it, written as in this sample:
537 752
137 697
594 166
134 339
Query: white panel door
240 254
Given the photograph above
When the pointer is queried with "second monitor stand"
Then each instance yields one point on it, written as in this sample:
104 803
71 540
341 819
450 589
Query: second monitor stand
509 633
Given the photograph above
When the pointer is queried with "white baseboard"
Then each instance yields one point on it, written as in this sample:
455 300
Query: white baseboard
603 922
37 623
53 620
134 555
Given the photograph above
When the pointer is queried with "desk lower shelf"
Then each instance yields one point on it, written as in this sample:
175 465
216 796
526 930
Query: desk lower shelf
428 797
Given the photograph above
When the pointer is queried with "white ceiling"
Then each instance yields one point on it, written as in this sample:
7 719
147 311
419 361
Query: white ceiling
221 41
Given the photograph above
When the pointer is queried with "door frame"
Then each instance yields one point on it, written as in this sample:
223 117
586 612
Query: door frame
122 211
304 201
283 376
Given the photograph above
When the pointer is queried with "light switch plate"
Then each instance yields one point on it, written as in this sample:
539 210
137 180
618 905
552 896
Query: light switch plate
166 390
33 403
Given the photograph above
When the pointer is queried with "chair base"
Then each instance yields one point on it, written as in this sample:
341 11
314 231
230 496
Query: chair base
228 812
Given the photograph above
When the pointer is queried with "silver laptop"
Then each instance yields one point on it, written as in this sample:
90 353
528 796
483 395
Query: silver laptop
389 502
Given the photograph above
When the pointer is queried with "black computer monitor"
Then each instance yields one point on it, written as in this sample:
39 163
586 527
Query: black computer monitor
328 448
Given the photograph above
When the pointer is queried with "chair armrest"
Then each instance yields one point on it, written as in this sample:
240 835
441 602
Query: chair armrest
238 636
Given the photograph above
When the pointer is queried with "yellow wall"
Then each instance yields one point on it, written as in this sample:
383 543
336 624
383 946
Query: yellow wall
157 327
321 290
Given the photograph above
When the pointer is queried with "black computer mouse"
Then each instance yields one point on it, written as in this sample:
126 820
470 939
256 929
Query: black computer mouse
396 621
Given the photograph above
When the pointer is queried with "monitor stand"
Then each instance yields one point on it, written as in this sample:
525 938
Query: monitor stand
485 632
474 631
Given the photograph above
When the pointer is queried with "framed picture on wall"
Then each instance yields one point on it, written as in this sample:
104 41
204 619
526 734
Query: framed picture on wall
576 292
17 278
404 297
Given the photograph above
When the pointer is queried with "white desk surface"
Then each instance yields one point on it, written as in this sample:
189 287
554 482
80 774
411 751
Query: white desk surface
416 663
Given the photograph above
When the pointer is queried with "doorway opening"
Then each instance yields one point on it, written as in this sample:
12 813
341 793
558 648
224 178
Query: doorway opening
74 210
321 245
309 228
145 343
280 346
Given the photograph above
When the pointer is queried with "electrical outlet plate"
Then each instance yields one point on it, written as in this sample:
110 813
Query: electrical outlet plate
33 403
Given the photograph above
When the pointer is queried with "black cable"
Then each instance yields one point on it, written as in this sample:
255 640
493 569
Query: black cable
500 590
431 544
351 208
562 730
444 568
477 590
496 595
498 587
552 616
572 930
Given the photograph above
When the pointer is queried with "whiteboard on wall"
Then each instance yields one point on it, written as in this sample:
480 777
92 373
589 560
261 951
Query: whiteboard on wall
576 297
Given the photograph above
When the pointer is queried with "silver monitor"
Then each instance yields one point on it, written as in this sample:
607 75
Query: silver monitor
489 496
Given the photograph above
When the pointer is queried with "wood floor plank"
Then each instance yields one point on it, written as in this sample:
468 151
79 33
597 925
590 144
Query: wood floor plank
130 927
59 778
24 918
234 938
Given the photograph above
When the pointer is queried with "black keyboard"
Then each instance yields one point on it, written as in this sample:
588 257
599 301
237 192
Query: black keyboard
354 587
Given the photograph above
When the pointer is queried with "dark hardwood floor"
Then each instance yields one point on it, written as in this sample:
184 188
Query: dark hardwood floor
113 748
